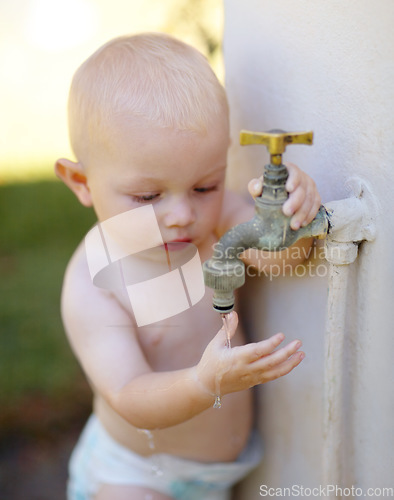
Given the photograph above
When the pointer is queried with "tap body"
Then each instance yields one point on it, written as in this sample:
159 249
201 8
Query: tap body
268 230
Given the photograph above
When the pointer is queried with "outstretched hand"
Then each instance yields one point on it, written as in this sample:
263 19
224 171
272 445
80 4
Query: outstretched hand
304 200
222 370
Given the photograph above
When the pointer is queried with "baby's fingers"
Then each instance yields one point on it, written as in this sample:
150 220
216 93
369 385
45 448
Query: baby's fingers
254 352
295 177
313 211
255 187
304 199
273 364
302 204
281 355
283 368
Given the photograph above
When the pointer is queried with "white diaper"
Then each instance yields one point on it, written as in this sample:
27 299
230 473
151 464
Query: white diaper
98 459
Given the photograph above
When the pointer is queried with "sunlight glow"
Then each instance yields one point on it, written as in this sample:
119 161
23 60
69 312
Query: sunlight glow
55 26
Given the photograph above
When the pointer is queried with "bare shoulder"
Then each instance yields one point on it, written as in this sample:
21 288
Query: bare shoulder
76 284
77 271
235 209
79 294
85 305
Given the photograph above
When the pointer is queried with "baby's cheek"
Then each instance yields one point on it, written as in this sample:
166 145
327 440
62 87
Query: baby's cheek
211 212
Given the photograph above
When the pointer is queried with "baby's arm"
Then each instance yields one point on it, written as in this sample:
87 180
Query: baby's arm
105 342
156 400
103 337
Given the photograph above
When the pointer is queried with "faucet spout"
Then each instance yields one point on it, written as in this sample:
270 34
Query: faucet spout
268 230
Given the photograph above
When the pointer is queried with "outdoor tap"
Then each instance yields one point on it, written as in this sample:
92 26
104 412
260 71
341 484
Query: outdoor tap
268 230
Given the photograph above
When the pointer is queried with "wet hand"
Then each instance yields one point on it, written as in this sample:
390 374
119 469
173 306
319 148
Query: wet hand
304 200
222 370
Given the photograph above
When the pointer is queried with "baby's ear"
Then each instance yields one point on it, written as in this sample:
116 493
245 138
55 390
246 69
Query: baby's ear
73 175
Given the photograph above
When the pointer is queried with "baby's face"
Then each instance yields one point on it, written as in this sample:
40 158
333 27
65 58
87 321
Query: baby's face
180 173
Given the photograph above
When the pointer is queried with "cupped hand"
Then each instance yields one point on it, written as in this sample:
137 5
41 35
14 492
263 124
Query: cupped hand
222 370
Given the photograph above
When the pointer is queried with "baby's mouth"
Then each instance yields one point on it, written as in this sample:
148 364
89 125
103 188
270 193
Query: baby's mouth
178 244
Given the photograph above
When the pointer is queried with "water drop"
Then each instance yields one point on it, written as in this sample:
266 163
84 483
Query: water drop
149 435
157 471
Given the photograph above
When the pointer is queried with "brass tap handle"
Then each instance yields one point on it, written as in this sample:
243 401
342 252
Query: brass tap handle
275 141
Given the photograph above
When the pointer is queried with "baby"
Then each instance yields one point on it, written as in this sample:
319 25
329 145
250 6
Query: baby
149 127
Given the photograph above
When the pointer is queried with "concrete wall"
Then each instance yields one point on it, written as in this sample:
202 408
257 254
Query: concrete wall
326 66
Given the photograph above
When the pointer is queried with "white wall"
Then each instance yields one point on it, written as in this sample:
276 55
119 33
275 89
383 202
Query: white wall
327 66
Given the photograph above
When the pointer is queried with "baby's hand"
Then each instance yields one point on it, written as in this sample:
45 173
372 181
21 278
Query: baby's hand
222 370
304 199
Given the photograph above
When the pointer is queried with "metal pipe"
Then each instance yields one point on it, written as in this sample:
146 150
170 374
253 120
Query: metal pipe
334 340
351 222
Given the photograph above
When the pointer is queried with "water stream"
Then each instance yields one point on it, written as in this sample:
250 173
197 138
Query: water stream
218 401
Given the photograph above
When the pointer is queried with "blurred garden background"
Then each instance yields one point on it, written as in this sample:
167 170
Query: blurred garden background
44 398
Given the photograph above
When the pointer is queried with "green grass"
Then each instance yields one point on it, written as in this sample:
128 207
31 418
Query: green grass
41 224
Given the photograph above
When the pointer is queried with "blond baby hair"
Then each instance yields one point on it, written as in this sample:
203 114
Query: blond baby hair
152 76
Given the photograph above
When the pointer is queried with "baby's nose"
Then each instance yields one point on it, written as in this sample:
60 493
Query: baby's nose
180 212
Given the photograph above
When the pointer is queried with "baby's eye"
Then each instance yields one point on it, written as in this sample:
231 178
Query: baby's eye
207 189
145 198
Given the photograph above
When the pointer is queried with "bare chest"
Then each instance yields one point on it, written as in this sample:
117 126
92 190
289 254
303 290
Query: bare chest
179 341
